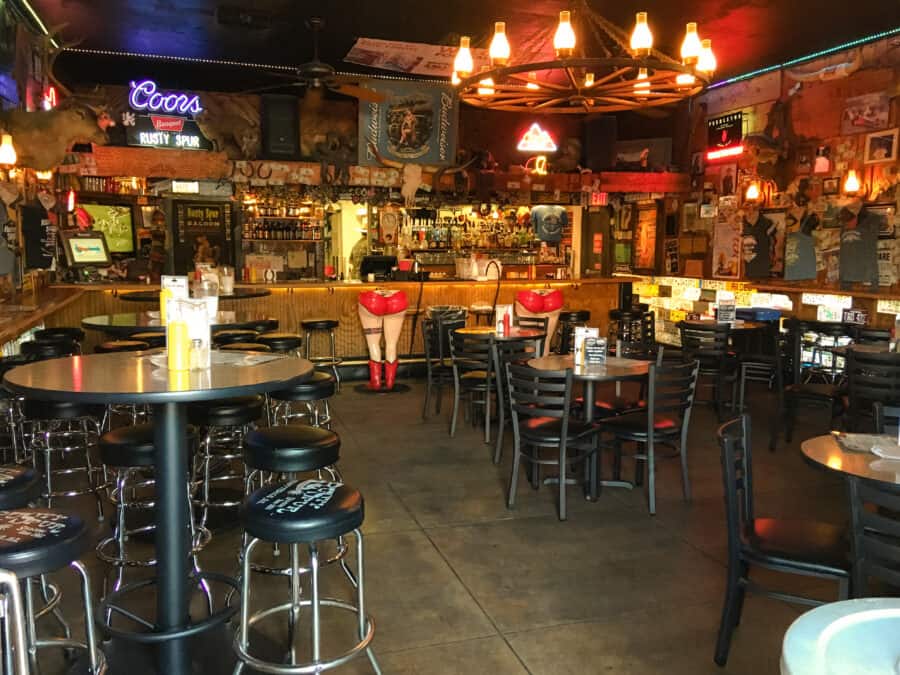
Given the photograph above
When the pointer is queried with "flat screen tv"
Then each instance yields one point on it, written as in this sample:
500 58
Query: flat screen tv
115 221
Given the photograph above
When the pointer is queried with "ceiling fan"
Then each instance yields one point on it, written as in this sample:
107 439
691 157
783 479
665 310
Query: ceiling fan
316 74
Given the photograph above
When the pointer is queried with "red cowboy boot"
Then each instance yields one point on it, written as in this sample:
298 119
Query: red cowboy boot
390 374
374 375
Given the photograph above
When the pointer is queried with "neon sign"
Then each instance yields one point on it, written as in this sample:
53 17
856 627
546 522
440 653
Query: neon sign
536 140
145 96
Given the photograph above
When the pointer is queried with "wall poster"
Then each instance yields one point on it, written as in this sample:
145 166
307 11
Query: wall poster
645 237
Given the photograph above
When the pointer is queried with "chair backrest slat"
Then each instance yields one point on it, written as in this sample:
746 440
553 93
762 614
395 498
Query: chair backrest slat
737 478
672 388
875 533
539 393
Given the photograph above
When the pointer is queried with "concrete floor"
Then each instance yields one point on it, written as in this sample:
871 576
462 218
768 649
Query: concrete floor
459 584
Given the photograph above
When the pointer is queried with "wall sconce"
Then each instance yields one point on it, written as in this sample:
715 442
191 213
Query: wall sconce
852 185
753 193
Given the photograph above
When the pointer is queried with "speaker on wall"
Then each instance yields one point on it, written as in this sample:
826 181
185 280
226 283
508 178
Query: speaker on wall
280 127
600 143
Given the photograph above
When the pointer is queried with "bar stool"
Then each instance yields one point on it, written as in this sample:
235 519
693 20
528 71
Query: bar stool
225 337
264 325
64 428
568 321
312 326
314 393
224 424
154 339
19 486
37 542
285 343
60 332
294 513
12 639
11 412
49 349
129 453
116 346
245 347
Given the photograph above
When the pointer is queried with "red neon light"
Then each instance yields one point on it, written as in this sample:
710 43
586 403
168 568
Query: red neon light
70 201
536 140
725 152
50 99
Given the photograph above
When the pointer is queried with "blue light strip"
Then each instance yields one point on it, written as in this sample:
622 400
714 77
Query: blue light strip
808 57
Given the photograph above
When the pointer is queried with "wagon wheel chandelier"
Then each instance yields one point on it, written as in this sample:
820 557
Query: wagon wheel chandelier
629 75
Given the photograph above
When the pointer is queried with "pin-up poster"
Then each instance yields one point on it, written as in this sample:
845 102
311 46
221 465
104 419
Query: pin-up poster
414 122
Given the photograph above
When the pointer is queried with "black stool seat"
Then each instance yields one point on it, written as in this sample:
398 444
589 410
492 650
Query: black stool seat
265 325
574 316
152 338
224 337
114 346
59 410
319 324
49 349
40 541
60 333
280 342
128 446
19 486
228 412
245 347
319 386
291 448
303 511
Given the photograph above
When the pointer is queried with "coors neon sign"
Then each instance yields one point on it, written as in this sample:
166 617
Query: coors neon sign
145 95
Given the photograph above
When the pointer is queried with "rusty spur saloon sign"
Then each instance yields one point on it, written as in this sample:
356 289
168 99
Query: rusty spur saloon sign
163 119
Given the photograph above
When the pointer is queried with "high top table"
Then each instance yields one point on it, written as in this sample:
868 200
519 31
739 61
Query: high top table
152 295
128 323
132 378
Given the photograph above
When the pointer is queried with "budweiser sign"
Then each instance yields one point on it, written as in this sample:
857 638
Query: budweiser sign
165 123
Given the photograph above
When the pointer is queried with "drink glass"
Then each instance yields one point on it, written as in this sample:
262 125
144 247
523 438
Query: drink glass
209 291
226 280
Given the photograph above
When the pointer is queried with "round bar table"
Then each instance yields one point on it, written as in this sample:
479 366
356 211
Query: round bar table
827 452
739 326
132 378
512 335
128 323
153 295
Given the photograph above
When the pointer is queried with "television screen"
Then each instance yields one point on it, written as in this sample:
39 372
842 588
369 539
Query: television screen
115 222
88 251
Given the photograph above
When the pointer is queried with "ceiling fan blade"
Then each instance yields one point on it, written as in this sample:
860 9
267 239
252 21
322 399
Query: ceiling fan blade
361 93
272 87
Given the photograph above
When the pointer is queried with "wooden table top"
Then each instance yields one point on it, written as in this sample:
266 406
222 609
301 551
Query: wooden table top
614 368
827 452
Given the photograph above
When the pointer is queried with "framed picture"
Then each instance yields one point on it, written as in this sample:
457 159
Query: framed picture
697 164
690 214
709 210
779 219
831 186
727 180
886 214
881 146
865 113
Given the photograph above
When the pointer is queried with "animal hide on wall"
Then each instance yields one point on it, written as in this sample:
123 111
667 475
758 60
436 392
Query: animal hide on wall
42 138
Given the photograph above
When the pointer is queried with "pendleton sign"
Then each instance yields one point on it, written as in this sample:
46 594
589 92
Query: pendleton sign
163 119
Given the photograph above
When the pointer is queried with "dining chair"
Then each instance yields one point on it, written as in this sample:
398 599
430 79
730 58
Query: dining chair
874 535
516 352
664 421
472 358
871 377
708 345
805 548
886 418
534 323
438 365
865 335
541 417
758 365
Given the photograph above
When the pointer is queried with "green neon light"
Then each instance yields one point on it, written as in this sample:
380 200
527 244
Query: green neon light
808 57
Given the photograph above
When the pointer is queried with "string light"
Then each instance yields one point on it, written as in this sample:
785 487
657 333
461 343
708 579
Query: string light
499 50
641 37
463 63
564 39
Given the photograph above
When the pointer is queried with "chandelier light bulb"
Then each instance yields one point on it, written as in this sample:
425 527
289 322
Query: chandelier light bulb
454 78
685 80
641 37
486 85
851 183
706 63
463 63
691 46
564 39
499 50
7 151
588 79
642 84
532 81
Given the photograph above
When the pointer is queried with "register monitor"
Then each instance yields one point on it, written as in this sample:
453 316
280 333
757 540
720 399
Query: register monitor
86 249
379 265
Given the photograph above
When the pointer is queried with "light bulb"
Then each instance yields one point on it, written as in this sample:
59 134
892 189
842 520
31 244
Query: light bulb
532 81
44 176
454 78
641 84
851 183
486 85
7 151
641 37
706 63
752 193
463 63
499 50
564 39
685 79
691 46
588 79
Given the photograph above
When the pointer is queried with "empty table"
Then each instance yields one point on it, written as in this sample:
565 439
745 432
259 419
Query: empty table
133 379
128 323
827 452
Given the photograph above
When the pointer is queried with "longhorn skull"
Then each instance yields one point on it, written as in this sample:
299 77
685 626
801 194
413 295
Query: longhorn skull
411 174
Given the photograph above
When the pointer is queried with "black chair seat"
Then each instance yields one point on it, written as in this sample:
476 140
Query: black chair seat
245 347
788 542
319 324
264 325
280 342
814 390
229 412
618 405
59 410
60 333
575 316
152 338
48 349
128 446
291 448
549 429
224 337
40 541
116 346
633 426
303 511
319 386
19 486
